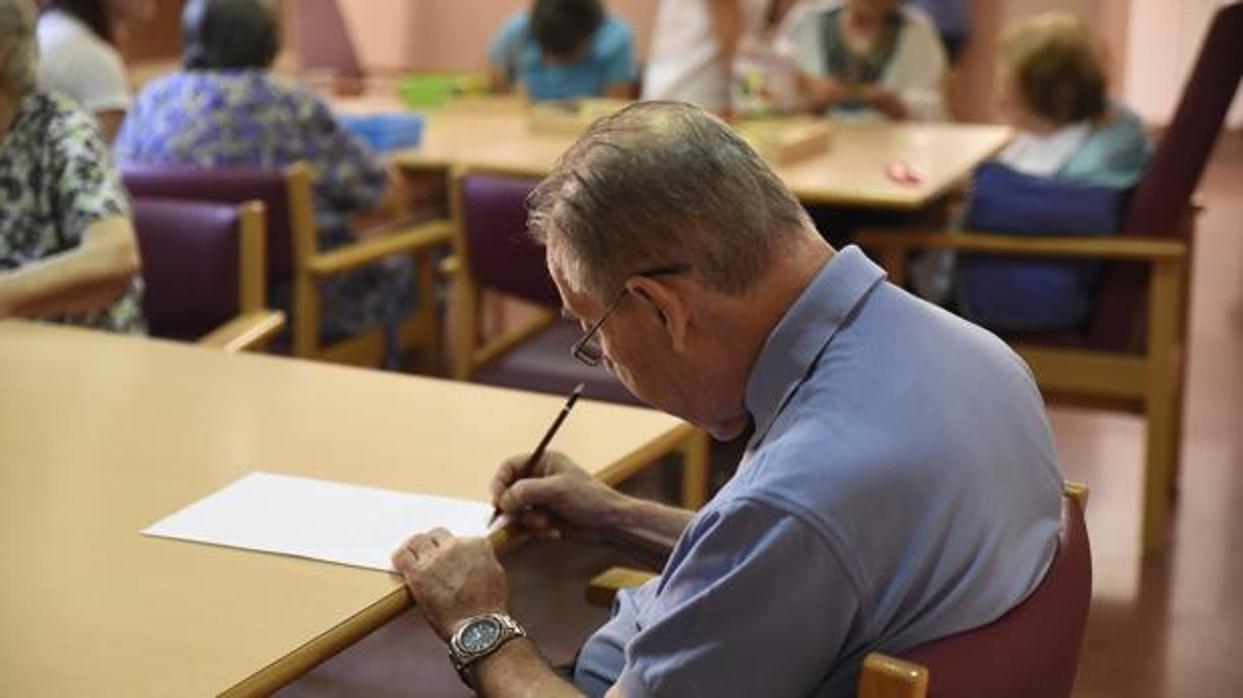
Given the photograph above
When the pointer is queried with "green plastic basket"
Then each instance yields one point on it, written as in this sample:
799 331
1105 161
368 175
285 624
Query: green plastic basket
433 89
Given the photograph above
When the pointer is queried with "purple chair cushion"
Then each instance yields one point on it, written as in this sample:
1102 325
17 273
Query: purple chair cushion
1164 194
1033 650
543 364
191 265
233 185
501 254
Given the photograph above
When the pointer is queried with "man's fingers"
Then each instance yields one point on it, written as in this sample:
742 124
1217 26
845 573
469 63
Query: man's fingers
528 493
506 475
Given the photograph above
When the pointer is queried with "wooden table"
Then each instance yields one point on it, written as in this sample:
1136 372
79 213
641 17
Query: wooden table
493 135
101 435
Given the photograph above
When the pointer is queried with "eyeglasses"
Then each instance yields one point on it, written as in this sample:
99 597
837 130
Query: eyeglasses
588 349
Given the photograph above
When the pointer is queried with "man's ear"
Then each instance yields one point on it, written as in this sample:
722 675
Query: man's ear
669 303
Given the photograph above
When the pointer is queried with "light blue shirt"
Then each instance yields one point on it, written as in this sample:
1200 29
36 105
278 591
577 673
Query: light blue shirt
607 60
901 486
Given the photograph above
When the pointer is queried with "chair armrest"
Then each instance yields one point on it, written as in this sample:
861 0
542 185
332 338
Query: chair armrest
883 676
360 254
1103 247
247 331
604 586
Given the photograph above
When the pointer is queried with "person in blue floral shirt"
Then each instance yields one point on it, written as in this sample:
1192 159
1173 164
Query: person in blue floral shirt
225 109
68 252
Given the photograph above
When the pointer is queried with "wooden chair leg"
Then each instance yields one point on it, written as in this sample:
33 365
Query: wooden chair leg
1161 408
695 470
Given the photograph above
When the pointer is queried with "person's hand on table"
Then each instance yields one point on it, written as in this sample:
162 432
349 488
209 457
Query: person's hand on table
884 100
556 499
452 579
822 92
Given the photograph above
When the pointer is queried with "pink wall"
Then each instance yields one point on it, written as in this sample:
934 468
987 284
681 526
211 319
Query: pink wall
450 34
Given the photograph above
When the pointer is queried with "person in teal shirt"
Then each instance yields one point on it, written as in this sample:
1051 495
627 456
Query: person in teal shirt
564 49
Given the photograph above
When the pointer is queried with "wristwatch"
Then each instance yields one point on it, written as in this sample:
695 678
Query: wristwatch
478 637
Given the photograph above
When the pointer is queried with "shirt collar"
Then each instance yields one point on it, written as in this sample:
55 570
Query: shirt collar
800 337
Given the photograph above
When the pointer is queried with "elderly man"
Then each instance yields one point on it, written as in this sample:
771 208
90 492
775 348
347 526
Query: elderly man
900 484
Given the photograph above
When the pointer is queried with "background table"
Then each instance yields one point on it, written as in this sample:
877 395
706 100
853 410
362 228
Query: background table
492 134
101 435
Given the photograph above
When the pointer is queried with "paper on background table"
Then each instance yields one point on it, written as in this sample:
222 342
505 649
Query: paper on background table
349 524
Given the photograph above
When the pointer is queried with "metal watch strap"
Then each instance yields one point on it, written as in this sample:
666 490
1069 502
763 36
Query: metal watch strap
464 660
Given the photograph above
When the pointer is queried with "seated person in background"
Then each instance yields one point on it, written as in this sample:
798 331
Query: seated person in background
1067 171
226 110
564 49
67 249
76 55
861 57
1052 87
859 518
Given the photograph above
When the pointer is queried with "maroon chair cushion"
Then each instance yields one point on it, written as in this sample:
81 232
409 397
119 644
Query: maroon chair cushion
543 364
234 185
501 254
1033 650
1162 197
191 265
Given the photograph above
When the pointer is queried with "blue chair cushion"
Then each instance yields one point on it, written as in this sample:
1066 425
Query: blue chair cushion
1024 295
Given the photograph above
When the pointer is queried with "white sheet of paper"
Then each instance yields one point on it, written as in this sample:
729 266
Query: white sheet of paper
348 524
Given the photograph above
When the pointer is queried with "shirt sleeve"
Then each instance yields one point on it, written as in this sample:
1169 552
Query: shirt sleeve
798 40
505 49
758 606
93 75
87 186
618 45
347 173
918 71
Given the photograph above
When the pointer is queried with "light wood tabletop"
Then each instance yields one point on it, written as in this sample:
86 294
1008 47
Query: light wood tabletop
855 171
102 435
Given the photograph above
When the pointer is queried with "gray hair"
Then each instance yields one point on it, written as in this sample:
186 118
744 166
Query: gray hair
661 184
17 33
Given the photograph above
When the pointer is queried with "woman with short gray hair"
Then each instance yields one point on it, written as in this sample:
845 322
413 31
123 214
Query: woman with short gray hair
67 247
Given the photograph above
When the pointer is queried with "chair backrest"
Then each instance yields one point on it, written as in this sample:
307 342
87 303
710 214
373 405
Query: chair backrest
233 185
192 263
500 255
1163 197
1033 650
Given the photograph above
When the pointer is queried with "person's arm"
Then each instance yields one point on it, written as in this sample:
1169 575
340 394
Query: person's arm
620 71
110 121
86 278
727 27
557 499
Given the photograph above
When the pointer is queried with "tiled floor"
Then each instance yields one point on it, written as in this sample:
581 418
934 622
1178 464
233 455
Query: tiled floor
1170 625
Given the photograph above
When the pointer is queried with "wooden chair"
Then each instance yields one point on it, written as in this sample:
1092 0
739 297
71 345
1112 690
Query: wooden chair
1032 651
1132 355
203 266
294 257
492 253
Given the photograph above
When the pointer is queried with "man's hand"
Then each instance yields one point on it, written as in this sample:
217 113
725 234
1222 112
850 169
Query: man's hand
557 499
452 579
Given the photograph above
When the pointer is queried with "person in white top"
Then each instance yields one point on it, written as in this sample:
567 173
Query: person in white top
77 56
867 57
693 48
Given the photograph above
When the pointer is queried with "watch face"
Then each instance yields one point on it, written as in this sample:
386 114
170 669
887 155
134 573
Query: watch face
480 634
